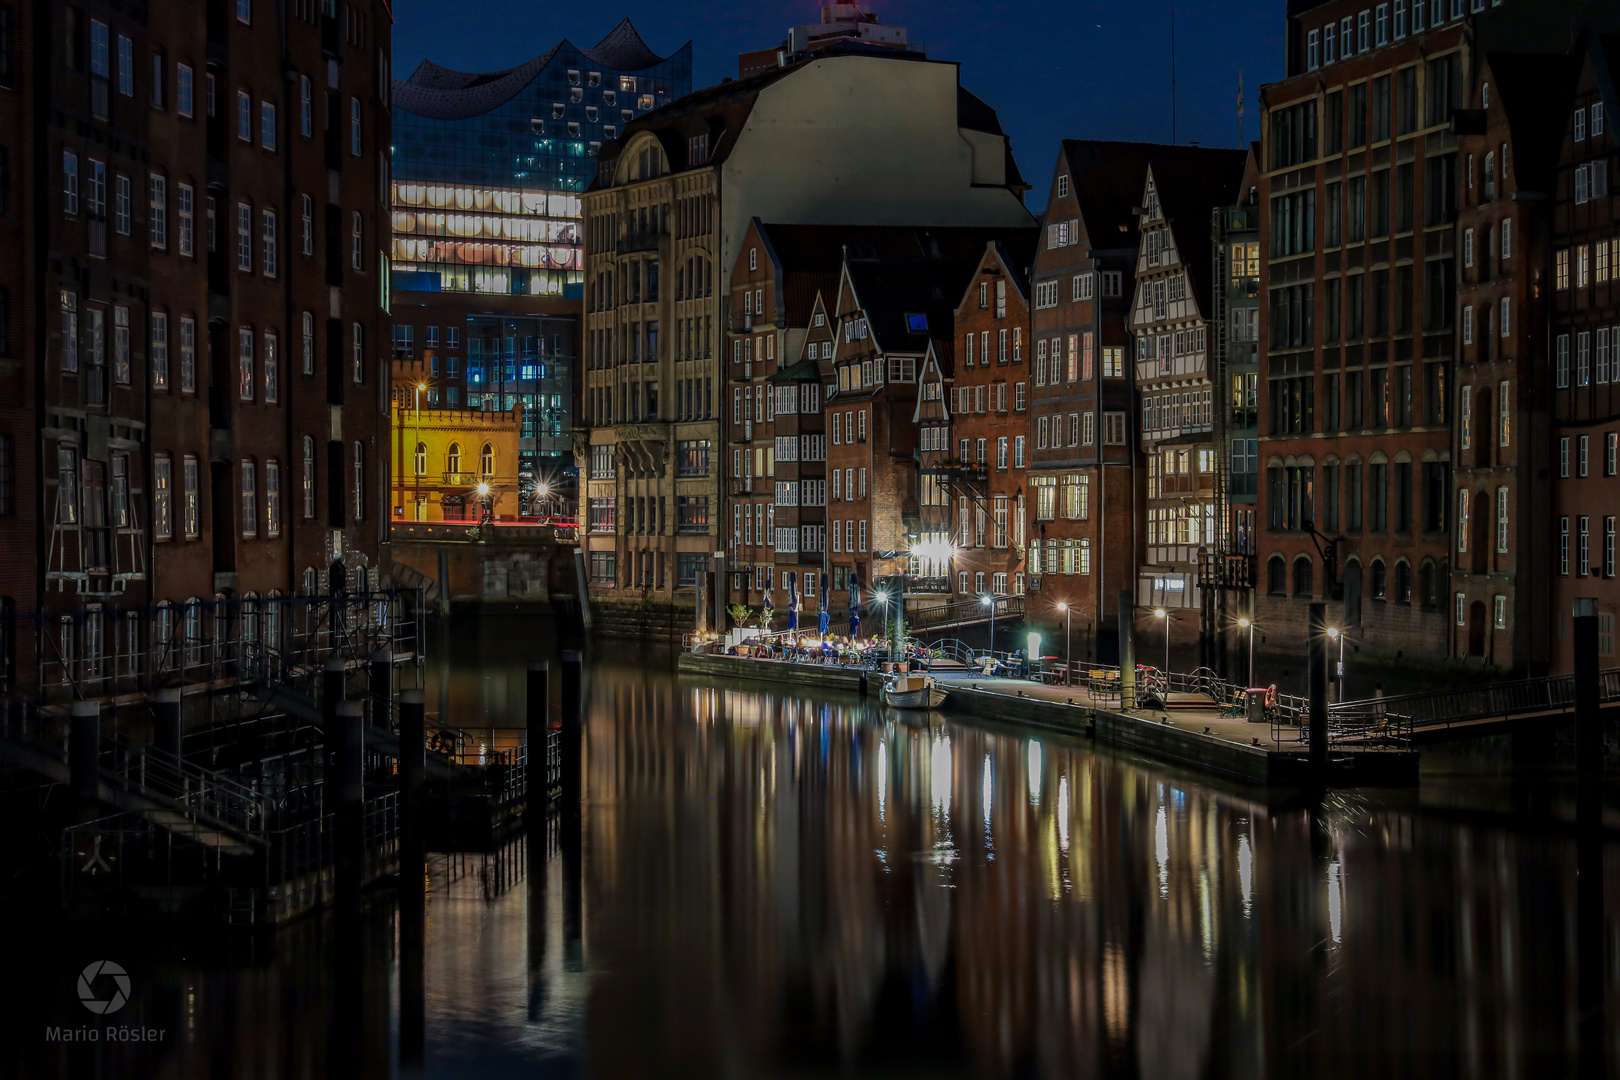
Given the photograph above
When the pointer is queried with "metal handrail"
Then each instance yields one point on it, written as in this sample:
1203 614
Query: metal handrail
1492 699
146 769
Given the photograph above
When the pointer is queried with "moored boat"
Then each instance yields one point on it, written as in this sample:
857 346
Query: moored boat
912 692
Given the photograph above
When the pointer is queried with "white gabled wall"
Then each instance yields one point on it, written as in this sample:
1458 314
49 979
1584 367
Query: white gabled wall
858 140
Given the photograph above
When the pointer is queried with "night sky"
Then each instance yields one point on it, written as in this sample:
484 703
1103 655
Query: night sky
1052 69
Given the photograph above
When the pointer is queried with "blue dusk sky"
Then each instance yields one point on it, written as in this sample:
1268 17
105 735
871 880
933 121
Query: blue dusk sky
1051 70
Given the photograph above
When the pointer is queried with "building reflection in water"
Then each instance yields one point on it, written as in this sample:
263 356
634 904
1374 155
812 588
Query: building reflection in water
771 879
767 884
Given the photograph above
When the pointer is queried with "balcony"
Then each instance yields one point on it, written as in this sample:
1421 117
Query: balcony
461 479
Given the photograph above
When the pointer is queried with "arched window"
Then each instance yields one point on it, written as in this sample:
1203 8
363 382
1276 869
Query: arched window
452 458
421 459
359 481
1302 576
1490 175
309 581
1426 591
359 349
486 461
309 476
309 343
1403 583
1277 576
1379 585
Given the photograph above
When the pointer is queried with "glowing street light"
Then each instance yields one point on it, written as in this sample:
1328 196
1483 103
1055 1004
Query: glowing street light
1068 656
990 602
1161 613
1338 635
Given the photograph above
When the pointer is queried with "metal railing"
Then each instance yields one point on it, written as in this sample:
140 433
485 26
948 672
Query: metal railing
208 799
1502 699
101 652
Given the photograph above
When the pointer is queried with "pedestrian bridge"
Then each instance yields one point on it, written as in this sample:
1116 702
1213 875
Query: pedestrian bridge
1521 698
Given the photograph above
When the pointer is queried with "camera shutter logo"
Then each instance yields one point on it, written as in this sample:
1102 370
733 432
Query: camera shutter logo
87 994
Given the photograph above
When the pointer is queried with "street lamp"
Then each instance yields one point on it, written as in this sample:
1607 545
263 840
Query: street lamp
1068 658
1338 635
483 502
990 602
1249 625
1161 613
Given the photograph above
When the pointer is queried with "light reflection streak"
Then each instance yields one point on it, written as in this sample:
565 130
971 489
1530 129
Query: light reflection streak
1335 884
1246 873
1161 850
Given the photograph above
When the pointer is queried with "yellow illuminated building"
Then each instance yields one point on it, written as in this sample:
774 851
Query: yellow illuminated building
451 464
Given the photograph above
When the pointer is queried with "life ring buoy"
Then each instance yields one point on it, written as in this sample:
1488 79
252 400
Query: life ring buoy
1271 696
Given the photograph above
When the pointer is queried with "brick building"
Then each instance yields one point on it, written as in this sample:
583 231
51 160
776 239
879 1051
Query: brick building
1087 495
1508 146
1585 340
1359 196
22 269
206 349
985 448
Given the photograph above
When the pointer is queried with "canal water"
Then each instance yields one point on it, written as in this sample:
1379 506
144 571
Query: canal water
768 883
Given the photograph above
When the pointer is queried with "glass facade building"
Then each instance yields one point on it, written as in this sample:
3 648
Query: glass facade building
488 168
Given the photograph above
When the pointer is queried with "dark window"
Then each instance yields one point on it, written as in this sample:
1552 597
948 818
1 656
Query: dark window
1404 193
1403 583
1403 497
1380 497
1302 576
1293 135
1380 108
1445 88
1440 189
1277 576
1436 494
5 172
1379 584
1406 101
7 479
1333 123
1358 115
1352 497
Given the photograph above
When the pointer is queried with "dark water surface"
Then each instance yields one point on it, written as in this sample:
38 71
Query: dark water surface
780 884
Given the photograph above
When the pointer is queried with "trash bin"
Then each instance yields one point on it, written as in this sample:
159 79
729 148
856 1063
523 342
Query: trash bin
1255 702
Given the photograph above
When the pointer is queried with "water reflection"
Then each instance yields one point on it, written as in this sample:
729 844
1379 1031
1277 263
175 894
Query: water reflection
765 884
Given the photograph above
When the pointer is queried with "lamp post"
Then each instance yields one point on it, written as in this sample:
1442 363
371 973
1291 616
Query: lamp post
483 504
1068 657
990 602
1248 624
882 599
1338 635
1161 613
